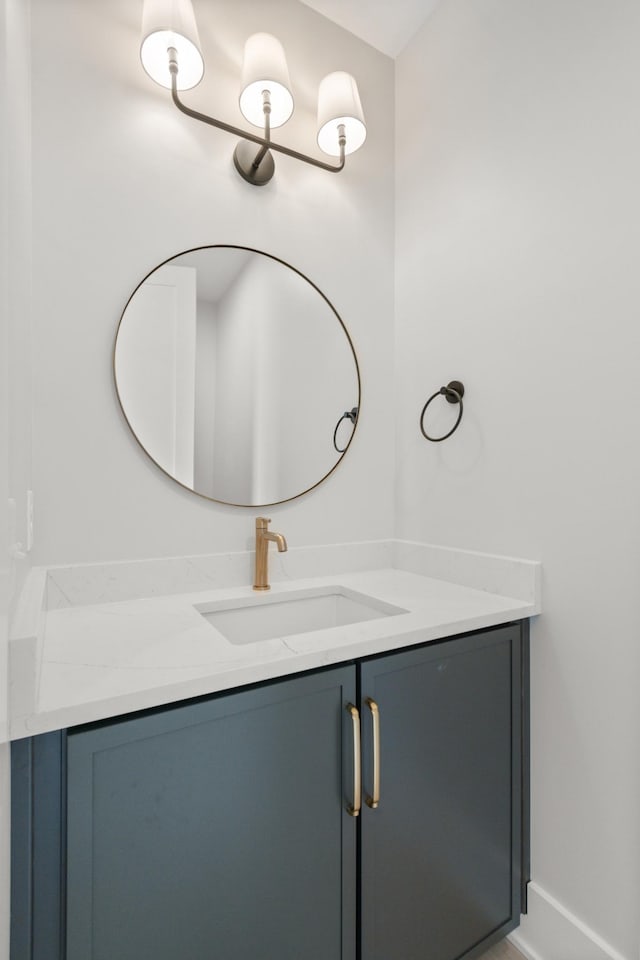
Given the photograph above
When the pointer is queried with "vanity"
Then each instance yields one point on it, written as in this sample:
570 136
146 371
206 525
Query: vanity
349 790
331 764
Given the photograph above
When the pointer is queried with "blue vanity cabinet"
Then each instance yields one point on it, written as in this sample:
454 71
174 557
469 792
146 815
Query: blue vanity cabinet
443 863
220 827
213 829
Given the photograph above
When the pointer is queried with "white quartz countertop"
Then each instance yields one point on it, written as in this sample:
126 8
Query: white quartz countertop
80 663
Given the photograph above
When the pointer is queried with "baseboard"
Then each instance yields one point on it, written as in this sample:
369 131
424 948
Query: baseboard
551 932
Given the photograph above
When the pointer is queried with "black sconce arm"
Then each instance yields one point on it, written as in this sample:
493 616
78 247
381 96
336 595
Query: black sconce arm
264 142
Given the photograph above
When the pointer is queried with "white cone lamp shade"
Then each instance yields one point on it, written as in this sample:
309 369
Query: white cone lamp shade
165 24
265 68
339 103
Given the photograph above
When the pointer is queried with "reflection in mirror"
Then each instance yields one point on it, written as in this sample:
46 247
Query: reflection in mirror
232 370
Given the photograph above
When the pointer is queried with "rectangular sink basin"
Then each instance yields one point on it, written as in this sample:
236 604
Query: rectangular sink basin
250 620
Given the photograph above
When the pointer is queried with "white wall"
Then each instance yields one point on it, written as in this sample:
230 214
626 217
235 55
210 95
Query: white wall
5 571
123 181
15 366
4 500
518 228
17 211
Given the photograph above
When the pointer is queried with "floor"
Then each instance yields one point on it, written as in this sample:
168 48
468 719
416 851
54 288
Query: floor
502 951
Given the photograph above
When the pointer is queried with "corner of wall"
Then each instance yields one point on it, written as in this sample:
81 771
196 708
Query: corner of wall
551 932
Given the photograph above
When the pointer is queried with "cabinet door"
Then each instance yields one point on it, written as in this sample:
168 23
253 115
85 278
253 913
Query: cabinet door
217 829
440 854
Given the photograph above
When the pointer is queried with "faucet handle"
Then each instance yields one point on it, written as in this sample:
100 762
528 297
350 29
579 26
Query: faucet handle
262 523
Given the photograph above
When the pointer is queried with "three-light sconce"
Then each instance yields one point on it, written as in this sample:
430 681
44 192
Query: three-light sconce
170 54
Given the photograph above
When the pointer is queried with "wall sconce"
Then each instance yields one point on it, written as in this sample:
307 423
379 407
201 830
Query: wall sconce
170 54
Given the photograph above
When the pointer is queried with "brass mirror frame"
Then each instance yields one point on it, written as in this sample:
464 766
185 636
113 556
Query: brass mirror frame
236 246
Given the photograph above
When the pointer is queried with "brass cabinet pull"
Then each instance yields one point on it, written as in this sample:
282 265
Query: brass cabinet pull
354 810
375 717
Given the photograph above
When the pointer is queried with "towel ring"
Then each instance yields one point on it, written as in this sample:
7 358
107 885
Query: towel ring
348 415
453 393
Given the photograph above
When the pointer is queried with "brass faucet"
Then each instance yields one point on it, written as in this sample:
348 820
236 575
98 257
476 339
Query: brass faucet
263 535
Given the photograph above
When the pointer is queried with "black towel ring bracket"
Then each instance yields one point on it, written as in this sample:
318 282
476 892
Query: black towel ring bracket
453 393
351 415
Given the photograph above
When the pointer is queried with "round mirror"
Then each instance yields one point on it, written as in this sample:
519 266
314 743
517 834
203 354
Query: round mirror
236 375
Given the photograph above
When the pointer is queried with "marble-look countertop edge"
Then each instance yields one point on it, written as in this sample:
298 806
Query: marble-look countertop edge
76 662
301 653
